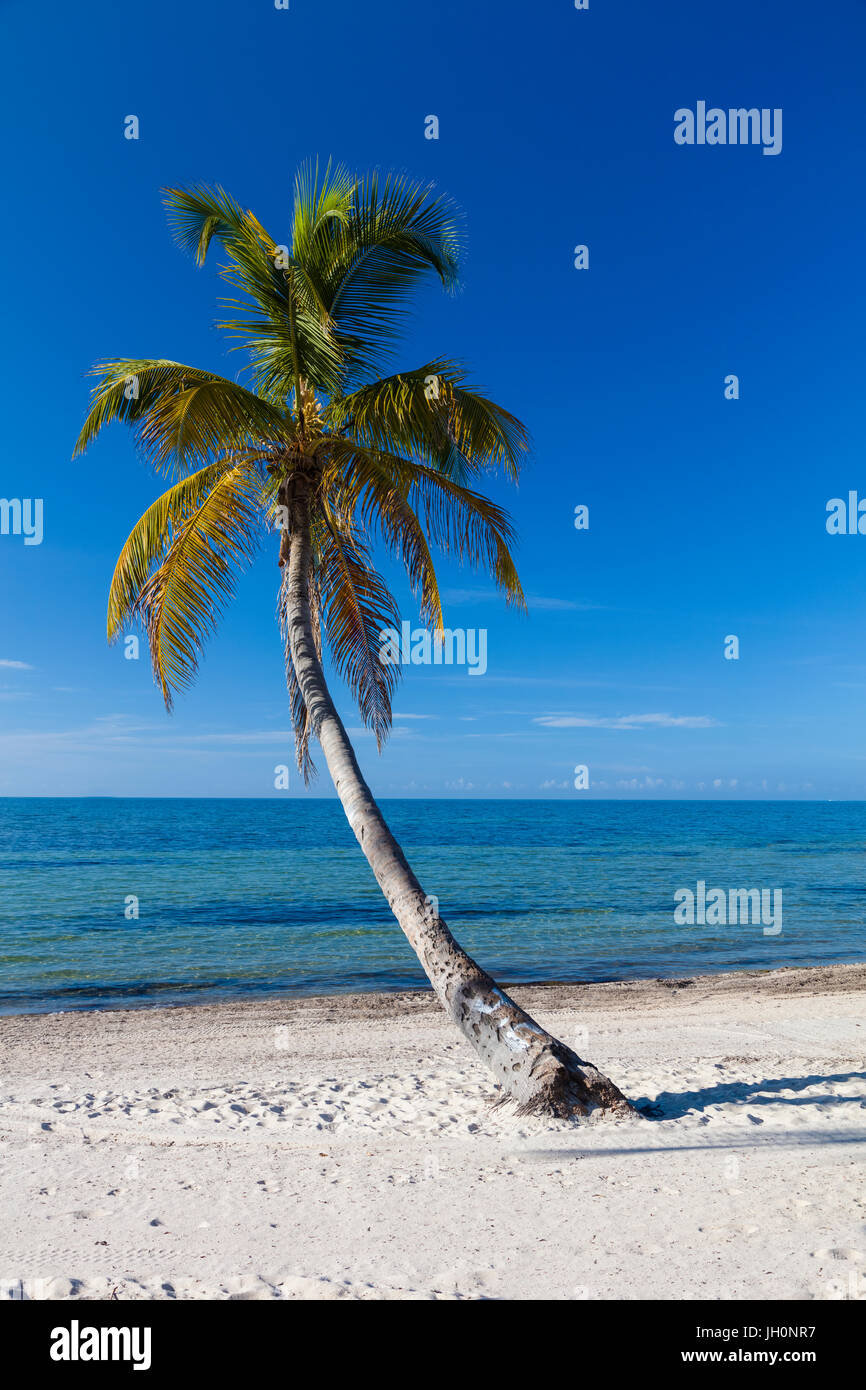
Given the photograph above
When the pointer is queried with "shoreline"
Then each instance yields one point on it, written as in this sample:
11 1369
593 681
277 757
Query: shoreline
841 976
349 1147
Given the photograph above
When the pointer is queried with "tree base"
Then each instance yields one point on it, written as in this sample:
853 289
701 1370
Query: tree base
562 1087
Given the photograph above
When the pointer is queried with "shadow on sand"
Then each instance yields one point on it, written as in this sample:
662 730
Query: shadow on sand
666 1143
673 1105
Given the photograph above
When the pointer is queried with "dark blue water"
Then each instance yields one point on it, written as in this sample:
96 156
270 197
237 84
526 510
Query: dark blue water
243 898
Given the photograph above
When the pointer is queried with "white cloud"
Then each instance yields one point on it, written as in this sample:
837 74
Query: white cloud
560 605
553 605
626 721
266 736
16 665
468 595
358 731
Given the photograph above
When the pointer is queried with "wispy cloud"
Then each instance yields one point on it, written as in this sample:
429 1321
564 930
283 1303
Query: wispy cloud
109 731
626 721
570 683
15 665
561 605
468 595
360 732
265 736
553 605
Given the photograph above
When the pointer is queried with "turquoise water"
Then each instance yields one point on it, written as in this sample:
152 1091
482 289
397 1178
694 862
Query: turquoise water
241 898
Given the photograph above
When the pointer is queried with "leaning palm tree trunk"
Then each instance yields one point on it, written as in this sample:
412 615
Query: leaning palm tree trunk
533 1068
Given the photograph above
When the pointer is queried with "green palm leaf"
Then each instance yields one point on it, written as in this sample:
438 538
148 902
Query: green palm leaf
287 333
429 413
404 499
356 606
364 266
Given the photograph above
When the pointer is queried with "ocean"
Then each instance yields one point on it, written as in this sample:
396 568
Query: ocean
240 898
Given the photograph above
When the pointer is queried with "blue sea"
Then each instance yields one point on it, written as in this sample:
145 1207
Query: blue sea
240 898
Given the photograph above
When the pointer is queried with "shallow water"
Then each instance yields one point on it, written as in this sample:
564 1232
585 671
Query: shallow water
239 897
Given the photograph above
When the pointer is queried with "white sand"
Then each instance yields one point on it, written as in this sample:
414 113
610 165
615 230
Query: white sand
346 1148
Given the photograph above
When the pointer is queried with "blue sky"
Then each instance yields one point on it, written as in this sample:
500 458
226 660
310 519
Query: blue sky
707 515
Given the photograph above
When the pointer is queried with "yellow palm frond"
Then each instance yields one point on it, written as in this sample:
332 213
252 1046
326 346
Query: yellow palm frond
182 599
181 416
149 540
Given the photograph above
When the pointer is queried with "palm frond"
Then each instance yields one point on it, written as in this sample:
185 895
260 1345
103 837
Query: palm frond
197 215
181 416
322 204
285 335
430 413
181 601
150 539
468 526
356 607
366 266
459 521
362 486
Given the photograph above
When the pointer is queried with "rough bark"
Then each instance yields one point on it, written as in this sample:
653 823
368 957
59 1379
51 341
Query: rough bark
533 1068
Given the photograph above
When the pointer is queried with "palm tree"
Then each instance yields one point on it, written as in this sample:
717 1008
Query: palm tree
336 458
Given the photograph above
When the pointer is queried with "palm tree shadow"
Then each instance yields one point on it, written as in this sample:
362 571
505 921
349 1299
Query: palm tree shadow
673 1105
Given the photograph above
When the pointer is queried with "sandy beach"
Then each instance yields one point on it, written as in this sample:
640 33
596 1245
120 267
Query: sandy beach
347 1147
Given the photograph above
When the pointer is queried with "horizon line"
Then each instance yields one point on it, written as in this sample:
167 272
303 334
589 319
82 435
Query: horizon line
543 800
